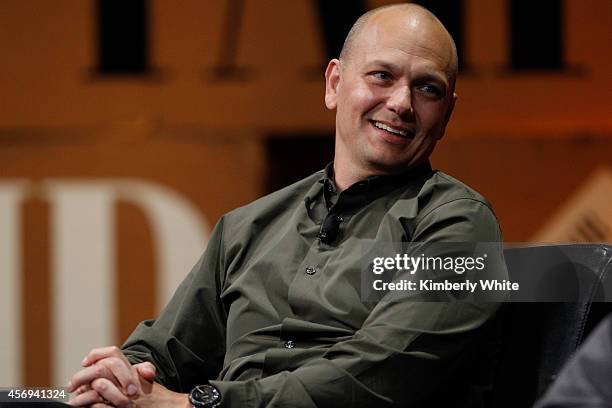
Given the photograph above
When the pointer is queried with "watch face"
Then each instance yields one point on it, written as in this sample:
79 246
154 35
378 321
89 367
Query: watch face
205 396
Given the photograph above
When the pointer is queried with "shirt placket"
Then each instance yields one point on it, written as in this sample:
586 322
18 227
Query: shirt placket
303 289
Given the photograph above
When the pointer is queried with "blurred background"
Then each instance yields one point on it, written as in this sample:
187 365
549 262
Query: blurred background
128 127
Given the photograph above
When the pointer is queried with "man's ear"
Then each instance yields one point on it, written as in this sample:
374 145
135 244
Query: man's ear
449 112
332 83
451 107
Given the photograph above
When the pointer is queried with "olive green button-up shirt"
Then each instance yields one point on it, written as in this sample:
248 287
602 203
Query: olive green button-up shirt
274 318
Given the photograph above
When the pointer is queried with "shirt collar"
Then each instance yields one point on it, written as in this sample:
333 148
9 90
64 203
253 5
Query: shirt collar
372 181
364 191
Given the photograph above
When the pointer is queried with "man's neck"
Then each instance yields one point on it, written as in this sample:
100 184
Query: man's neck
346 175
344 180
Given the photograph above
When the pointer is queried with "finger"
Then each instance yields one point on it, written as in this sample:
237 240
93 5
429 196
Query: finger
113 369
101 405
100 353
82 389
87 361
146 370
86 375
109 392
87 398
119 365
124 373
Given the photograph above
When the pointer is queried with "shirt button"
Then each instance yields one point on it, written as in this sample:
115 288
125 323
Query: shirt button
289 344
339 218
310 270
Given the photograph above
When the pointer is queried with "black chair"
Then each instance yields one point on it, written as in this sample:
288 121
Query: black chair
567 292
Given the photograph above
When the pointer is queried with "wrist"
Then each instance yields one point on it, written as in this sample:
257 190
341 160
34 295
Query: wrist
167 398
182 401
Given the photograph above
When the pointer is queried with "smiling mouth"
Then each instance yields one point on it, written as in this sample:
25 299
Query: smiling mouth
392 130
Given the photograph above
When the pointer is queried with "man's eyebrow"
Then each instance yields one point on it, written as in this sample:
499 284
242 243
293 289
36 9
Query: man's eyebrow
431 77
422 77
383 64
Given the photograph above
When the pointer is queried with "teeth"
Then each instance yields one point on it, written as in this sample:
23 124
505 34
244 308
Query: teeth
390 129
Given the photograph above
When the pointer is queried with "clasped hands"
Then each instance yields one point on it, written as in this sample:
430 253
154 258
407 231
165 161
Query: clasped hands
107 379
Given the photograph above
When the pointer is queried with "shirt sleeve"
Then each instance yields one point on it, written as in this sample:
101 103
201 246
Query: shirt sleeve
186 342
405 351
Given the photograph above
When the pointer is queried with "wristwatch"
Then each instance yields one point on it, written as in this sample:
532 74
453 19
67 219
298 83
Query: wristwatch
205 396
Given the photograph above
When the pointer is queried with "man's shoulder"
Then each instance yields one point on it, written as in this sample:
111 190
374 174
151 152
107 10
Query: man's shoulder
441 192
443 188
446 209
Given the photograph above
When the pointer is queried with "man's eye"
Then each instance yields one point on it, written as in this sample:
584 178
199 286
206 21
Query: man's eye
382 75
431 89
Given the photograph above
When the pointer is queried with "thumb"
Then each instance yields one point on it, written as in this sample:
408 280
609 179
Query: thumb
146 370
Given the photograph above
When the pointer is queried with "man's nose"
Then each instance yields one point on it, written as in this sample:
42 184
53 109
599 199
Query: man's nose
400 102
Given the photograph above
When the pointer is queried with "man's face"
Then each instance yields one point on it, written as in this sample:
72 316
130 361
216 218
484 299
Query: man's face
393 96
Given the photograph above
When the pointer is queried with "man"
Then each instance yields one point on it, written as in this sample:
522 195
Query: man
271 315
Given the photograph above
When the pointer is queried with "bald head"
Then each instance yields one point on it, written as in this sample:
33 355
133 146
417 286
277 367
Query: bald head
410 17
